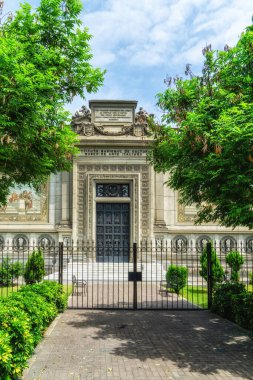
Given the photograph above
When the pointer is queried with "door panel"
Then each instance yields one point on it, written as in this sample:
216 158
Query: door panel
112 232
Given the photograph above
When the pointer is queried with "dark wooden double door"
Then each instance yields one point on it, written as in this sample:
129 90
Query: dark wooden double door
112 232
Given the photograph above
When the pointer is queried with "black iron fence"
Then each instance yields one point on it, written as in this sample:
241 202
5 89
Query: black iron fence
159 275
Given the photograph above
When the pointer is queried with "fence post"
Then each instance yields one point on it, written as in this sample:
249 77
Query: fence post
209 274
60 262
135 278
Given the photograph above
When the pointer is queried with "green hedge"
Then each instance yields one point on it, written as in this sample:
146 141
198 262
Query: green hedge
24 316
231 300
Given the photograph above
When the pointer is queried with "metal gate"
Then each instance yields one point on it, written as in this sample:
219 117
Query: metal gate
139 283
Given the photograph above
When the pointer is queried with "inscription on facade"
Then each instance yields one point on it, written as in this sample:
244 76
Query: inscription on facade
114 152
104 115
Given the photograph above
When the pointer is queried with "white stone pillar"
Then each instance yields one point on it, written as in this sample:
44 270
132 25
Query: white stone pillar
159 199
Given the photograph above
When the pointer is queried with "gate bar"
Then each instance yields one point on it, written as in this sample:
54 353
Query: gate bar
209 274
60 262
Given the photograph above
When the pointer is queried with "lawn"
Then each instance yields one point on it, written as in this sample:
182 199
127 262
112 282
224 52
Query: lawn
6 291
68 288
196 295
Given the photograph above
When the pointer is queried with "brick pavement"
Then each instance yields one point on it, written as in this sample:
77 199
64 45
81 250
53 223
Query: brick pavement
120 295
115 345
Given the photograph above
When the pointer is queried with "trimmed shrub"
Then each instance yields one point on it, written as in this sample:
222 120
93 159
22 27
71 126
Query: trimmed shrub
217 270
17 324
41 313
235 261
176 277
9 272
51 291
24 317
5 355
35 268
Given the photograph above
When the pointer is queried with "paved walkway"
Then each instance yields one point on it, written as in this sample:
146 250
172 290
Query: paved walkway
178 345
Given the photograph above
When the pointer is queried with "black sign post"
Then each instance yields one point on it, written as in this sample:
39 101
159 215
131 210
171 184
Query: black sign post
135 276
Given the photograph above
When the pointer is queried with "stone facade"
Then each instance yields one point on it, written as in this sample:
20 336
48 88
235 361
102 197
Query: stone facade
113 143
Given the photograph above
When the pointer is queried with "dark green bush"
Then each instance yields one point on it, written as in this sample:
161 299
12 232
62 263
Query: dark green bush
176 277
244 310
217 270
35 268
224 298
9 272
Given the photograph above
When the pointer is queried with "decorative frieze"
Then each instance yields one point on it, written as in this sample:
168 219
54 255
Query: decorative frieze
184 215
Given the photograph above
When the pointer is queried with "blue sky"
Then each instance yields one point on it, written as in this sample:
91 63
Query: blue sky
139 42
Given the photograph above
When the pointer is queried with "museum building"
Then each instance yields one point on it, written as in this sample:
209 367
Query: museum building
112 196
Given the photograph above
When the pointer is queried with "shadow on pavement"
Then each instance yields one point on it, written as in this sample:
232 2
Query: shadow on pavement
198 342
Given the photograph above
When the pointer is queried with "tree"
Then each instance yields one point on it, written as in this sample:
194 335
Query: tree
34 268
9 272
217 270
235 260
176 277
44 63
206 140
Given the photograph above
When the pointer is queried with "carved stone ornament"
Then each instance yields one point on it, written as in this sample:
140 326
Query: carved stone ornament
88 130
139 130
141 117
123 131
82 125
81 120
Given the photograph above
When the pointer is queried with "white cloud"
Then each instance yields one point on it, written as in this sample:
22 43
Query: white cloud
151 32
140 41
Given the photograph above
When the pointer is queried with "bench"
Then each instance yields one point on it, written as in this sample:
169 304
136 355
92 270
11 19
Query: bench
164 286
77 284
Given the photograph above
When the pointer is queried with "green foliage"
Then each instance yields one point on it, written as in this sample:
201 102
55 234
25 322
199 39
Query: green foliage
5 355
24 317
235 261
41 313
206 141
176 277
244 310
217 270
35 268
17 324
232 301
51 291
251 278
44 62
9 272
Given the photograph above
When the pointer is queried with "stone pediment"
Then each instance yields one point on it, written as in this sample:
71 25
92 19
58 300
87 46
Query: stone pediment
112 118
